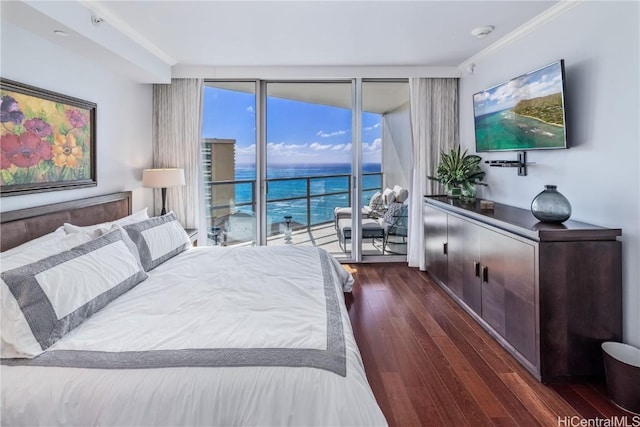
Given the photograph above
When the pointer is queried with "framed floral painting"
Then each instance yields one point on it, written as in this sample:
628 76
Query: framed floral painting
47 142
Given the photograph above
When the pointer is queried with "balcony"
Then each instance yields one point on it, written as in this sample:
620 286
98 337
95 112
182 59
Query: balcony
308 200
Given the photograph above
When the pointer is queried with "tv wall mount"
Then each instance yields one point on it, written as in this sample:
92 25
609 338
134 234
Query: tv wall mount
521 163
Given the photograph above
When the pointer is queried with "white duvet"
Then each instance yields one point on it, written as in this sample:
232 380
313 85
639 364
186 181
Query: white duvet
245 299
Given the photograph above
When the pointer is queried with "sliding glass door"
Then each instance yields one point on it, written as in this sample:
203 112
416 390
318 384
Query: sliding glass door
308 162
386 162
299 162
229 162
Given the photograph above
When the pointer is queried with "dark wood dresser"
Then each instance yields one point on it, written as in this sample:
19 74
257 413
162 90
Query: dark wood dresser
549 293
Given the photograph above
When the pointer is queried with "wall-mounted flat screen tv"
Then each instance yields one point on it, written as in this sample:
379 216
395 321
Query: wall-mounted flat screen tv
524 113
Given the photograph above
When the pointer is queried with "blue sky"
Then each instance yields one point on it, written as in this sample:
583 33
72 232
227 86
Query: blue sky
542 82
297 132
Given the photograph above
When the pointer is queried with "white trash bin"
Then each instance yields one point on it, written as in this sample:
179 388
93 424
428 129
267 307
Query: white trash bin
622 369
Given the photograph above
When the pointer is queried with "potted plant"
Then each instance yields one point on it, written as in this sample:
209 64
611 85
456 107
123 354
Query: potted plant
459 172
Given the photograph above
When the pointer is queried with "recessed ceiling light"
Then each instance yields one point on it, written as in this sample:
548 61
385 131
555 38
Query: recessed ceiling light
482 32
61 33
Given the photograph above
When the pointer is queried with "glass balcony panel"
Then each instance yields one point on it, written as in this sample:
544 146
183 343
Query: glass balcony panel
330 184
285 188
277 211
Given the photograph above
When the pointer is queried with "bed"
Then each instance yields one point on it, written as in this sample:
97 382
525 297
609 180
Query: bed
207 336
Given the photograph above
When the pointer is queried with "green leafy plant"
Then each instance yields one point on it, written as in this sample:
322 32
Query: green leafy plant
459 169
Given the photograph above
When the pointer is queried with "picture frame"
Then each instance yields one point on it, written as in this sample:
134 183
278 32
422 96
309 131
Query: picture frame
47 140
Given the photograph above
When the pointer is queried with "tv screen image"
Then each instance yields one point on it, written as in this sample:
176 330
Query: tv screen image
524 113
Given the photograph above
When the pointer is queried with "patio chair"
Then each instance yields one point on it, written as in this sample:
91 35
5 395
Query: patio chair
391 228
395 224
377 205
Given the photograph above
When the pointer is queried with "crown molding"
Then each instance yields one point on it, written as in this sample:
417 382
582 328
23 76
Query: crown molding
558 9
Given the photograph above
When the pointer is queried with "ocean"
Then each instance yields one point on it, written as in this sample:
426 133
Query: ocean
292 181
505 130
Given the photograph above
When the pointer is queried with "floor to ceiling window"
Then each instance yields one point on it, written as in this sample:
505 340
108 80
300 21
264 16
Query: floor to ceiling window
229 162
308 160
386 144
279 160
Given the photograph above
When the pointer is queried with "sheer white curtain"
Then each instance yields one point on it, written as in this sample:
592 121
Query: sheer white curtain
434 128
177 114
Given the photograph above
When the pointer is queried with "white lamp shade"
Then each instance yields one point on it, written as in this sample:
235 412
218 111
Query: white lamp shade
163 178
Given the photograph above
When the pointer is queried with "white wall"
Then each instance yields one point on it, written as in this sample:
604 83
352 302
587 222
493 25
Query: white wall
123 114
396 147
599 174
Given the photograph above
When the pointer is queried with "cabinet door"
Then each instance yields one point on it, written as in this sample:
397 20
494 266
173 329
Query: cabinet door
471 284
463 250
508 290
455 253
435 242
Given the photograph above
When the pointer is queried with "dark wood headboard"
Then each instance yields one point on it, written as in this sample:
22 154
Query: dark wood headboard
17 227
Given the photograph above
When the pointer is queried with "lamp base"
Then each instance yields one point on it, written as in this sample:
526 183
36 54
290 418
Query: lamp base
164 201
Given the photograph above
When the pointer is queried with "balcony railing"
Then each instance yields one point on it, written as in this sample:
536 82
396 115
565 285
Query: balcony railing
310 200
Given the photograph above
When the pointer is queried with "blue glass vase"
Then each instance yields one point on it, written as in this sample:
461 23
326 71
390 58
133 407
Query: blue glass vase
551 206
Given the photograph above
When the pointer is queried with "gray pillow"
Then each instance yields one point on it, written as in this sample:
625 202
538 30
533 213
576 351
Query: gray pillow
402 194
393 210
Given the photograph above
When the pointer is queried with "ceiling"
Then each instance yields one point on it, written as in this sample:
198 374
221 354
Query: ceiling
320 33
377 96
151 36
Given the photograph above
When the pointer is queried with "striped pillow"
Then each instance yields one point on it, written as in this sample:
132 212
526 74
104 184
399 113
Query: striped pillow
158 239
376 204
392 212
56 294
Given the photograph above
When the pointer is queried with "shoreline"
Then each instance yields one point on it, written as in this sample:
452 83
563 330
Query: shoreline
538 119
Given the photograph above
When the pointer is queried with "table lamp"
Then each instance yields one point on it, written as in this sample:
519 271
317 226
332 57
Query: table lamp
163 178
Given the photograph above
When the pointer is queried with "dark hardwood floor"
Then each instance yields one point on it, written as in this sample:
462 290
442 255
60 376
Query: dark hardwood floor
431 364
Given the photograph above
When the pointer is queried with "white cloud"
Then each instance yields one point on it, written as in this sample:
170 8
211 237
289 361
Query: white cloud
284 153
368 128
322 134
376 145
279 152
481 96
282 148
518 89
316 146
341 147
250 109
250 149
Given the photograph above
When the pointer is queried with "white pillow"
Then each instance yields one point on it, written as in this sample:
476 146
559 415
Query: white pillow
45 248
388 197
54 235
104 227
44 300
158 239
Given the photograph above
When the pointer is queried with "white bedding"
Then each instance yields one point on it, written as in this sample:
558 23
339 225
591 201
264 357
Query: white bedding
234 304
